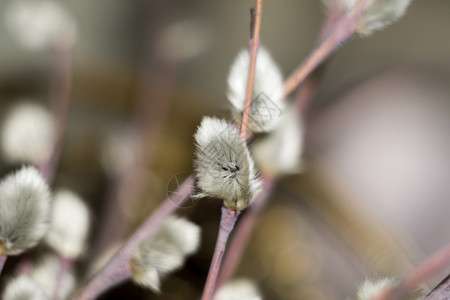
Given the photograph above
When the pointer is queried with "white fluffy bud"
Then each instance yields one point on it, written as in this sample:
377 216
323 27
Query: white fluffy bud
27 133
38 24
268 94
280 152
238 289
45 273
24 210
379 13
69 224
370 289
223 164
164 252
23 287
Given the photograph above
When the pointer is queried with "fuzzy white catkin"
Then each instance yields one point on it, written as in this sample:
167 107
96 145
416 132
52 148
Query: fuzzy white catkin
280 152
164 252
27 133
370 289
377 14
69 224
25 205
238 290
380 13
268 94
39 24
223 164
45 273
23 288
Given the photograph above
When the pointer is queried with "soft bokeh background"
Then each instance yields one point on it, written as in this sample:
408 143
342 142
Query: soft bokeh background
374 197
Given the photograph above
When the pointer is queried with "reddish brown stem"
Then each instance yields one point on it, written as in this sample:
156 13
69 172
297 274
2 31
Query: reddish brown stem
227 222
117 269
254 42
343 31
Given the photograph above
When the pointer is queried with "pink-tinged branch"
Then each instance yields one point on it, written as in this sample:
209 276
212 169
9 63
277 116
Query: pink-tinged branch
254 42
243 233
248 221
117 270
65 265
430 267
441 291
343 31
227 222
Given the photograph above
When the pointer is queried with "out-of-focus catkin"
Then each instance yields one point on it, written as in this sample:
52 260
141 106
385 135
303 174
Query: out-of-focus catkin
25 205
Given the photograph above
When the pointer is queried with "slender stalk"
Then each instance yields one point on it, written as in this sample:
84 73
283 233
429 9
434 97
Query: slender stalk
152 104
60 100
430 267
310 87
227 222
248 221
254 43
117 269
65 264
441 291
243 232
343 31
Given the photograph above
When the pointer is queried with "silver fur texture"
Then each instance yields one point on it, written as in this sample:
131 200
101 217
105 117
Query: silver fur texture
223 164
25 204
164 252
23 288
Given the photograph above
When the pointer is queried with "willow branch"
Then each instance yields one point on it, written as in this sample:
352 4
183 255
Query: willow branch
342 32
117 269
254 44
227 221
430 267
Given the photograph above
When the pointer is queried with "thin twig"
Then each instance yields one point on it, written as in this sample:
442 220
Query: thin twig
227 221
65 265
343 31
243 232
60 100
308 91
153 102
430 267
249 219
229 217
441 291
254 43
118 269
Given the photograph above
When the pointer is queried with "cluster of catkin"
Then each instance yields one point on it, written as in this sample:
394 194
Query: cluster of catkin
226 167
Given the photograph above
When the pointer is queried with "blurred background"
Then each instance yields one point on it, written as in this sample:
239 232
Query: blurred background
373 199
